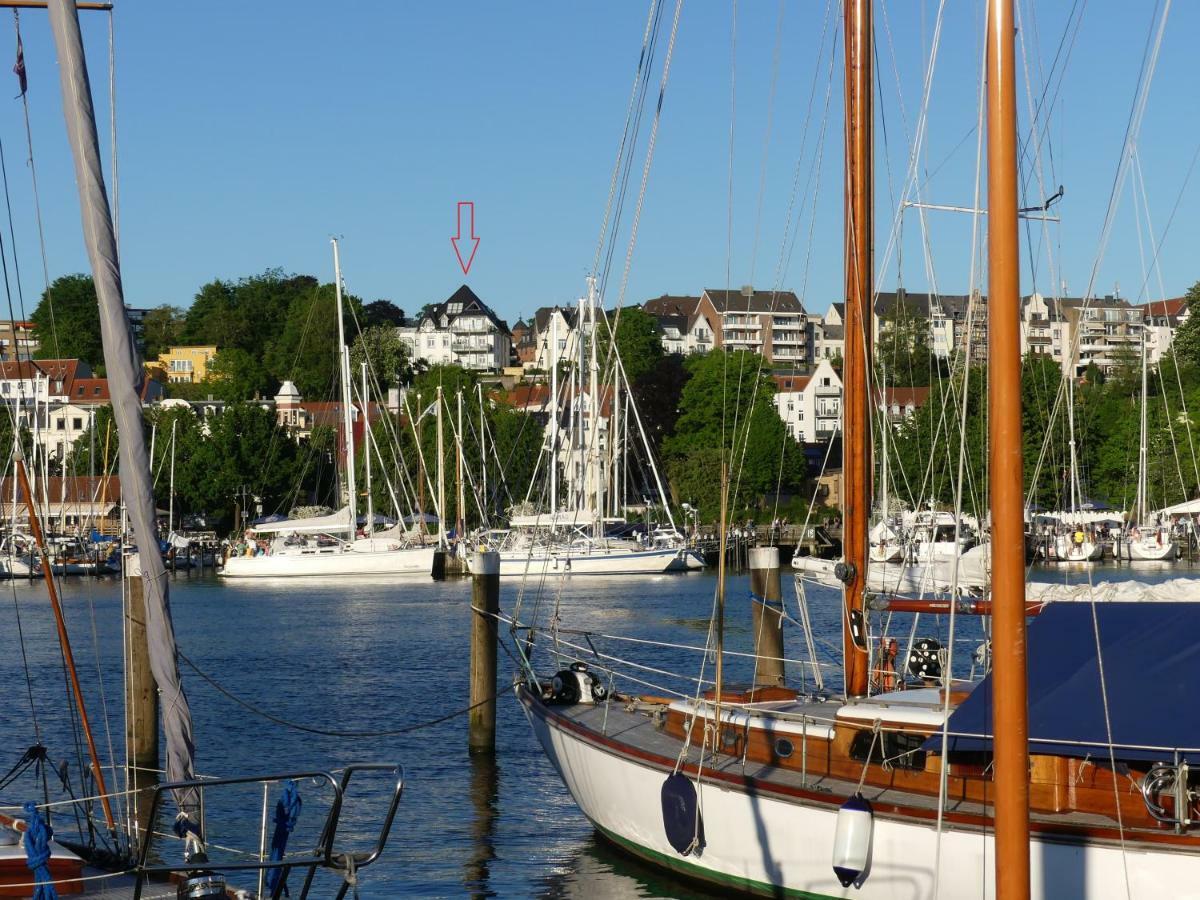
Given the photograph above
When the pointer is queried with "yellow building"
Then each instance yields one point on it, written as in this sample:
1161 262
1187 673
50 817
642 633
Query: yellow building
183 365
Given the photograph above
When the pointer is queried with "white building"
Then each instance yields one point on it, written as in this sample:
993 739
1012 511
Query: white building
554 323
826 334
1162 318
810 405
460 331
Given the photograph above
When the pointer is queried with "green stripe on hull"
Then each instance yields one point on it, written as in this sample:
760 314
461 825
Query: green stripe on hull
679 865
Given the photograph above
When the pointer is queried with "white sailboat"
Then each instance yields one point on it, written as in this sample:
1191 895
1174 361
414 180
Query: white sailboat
331 545
1145 539
575 541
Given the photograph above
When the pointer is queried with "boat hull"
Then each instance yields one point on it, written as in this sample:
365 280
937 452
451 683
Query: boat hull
625 562
414 561
762 841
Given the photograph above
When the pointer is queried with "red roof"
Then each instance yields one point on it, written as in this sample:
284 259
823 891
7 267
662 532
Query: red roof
906 396
792 383
1174 307
64 370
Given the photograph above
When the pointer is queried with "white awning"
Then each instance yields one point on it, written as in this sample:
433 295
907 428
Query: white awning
1187 508
338 523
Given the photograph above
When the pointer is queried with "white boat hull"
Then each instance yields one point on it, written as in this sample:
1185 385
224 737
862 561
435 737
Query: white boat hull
768 842
339 561
1150 549
539 561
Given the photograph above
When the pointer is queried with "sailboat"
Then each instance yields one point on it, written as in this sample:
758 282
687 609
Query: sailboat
114 856
331 545
1056 786
1145 539
576 540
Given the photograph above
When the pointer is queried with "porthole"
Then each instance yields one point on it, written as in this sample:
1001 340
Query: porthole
783 748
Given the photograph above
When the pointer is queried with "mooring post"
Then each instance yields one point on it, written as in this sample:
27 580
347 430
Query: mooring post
141 697
767 607
485 603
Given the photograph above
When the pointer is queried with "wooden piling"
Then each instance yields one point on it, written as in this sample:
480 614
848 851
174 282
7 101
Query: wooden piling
767 609
485 603
141 691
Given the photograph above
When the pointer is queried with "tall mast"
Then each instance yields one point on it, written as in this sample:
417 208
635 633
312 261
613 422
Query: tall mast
856 451
483 459
461 521
171 486
1010 710
594 411
1140 508
553 415
441 473
344 378
367 449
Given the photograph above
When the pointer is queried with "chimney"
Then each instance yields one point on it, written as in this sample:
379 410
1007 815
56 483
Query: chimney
747 291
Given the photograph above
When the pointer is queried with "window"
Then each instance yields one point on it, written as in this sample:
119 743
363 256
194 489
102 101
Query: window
96 391
60 423
7 387
77 423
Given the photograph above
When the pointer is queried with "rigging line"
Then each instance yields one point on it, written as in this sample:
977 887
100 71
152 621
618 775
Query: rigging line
37 204
326 732
112 130
943 781
643 90
762 175
643 64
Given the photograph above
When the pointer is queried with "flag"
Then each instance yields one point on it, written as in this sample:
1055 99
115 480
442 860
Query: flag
19 68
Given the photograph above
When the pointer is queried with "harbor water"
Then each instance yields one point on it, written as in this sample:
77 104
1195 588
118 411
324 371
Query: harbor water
363 656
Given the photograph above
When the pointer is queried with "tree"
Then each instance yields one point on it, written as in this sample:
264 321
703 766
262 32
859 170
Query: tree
382 312
637 338
306 351
161 328
66 322
1186 343
380 346
246 314
728 404
241 446
94 451
903 347
236 374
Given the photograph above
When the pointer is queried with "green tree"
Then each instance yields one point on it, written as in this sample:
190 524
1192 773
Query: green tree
382 312
637 338
728 404
381 347
66 322
306 350
903 348
246 314
94 451
1186 343
161 328
235 374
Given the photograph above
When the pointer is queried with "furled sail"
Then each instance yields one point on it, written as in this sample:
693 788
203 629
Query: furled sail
124 378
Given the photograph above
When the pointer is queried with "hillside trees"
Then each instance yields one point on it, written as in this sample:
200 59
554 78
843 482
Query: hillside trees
66 322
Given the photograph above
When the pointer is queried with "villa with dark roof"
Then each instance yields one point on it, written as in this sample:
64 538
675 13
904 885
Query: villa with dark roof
461 330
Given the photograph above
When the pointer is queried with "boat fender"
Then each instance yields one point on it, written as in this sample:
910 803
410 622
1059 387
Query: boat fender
682 820
852 841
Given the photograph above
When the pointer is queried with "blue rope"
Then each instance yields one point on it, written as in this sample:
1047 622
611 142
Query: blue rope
37 853
287 811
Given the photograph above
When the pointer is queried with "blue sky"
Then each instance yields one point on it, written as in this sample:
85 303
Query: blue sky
250 132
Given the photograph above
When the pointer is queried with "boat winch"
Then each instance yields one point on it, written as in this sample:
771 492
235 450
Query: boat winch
577 684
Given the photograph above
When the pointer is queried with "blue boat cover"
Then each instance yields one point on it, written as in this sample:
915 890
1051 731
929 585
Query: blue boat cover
1151 656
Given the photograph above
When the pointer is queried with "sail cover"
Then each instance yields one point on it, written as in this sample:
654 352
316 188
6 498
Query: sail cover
125 374
1150 653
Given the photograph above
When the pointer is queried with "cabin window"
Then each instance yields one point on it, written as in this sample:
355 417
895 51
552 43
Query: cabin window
783 748
900 750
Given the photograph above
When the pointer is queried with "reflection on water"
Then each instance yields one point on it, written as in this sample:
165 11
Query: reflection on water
485 807
599 871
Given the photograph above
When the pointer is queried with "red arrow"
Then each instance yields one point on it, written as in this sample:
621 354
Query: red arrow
466 266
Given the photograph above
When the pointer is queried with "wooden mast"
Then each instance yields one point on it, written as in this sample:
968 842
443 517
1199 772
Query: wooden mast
856 450
1009 700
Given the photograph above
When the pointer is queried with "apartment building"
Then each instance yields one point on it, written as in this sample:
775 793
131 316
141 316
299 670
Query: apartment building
688 324
462 331
810 405
1162 318
772 323
183 365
